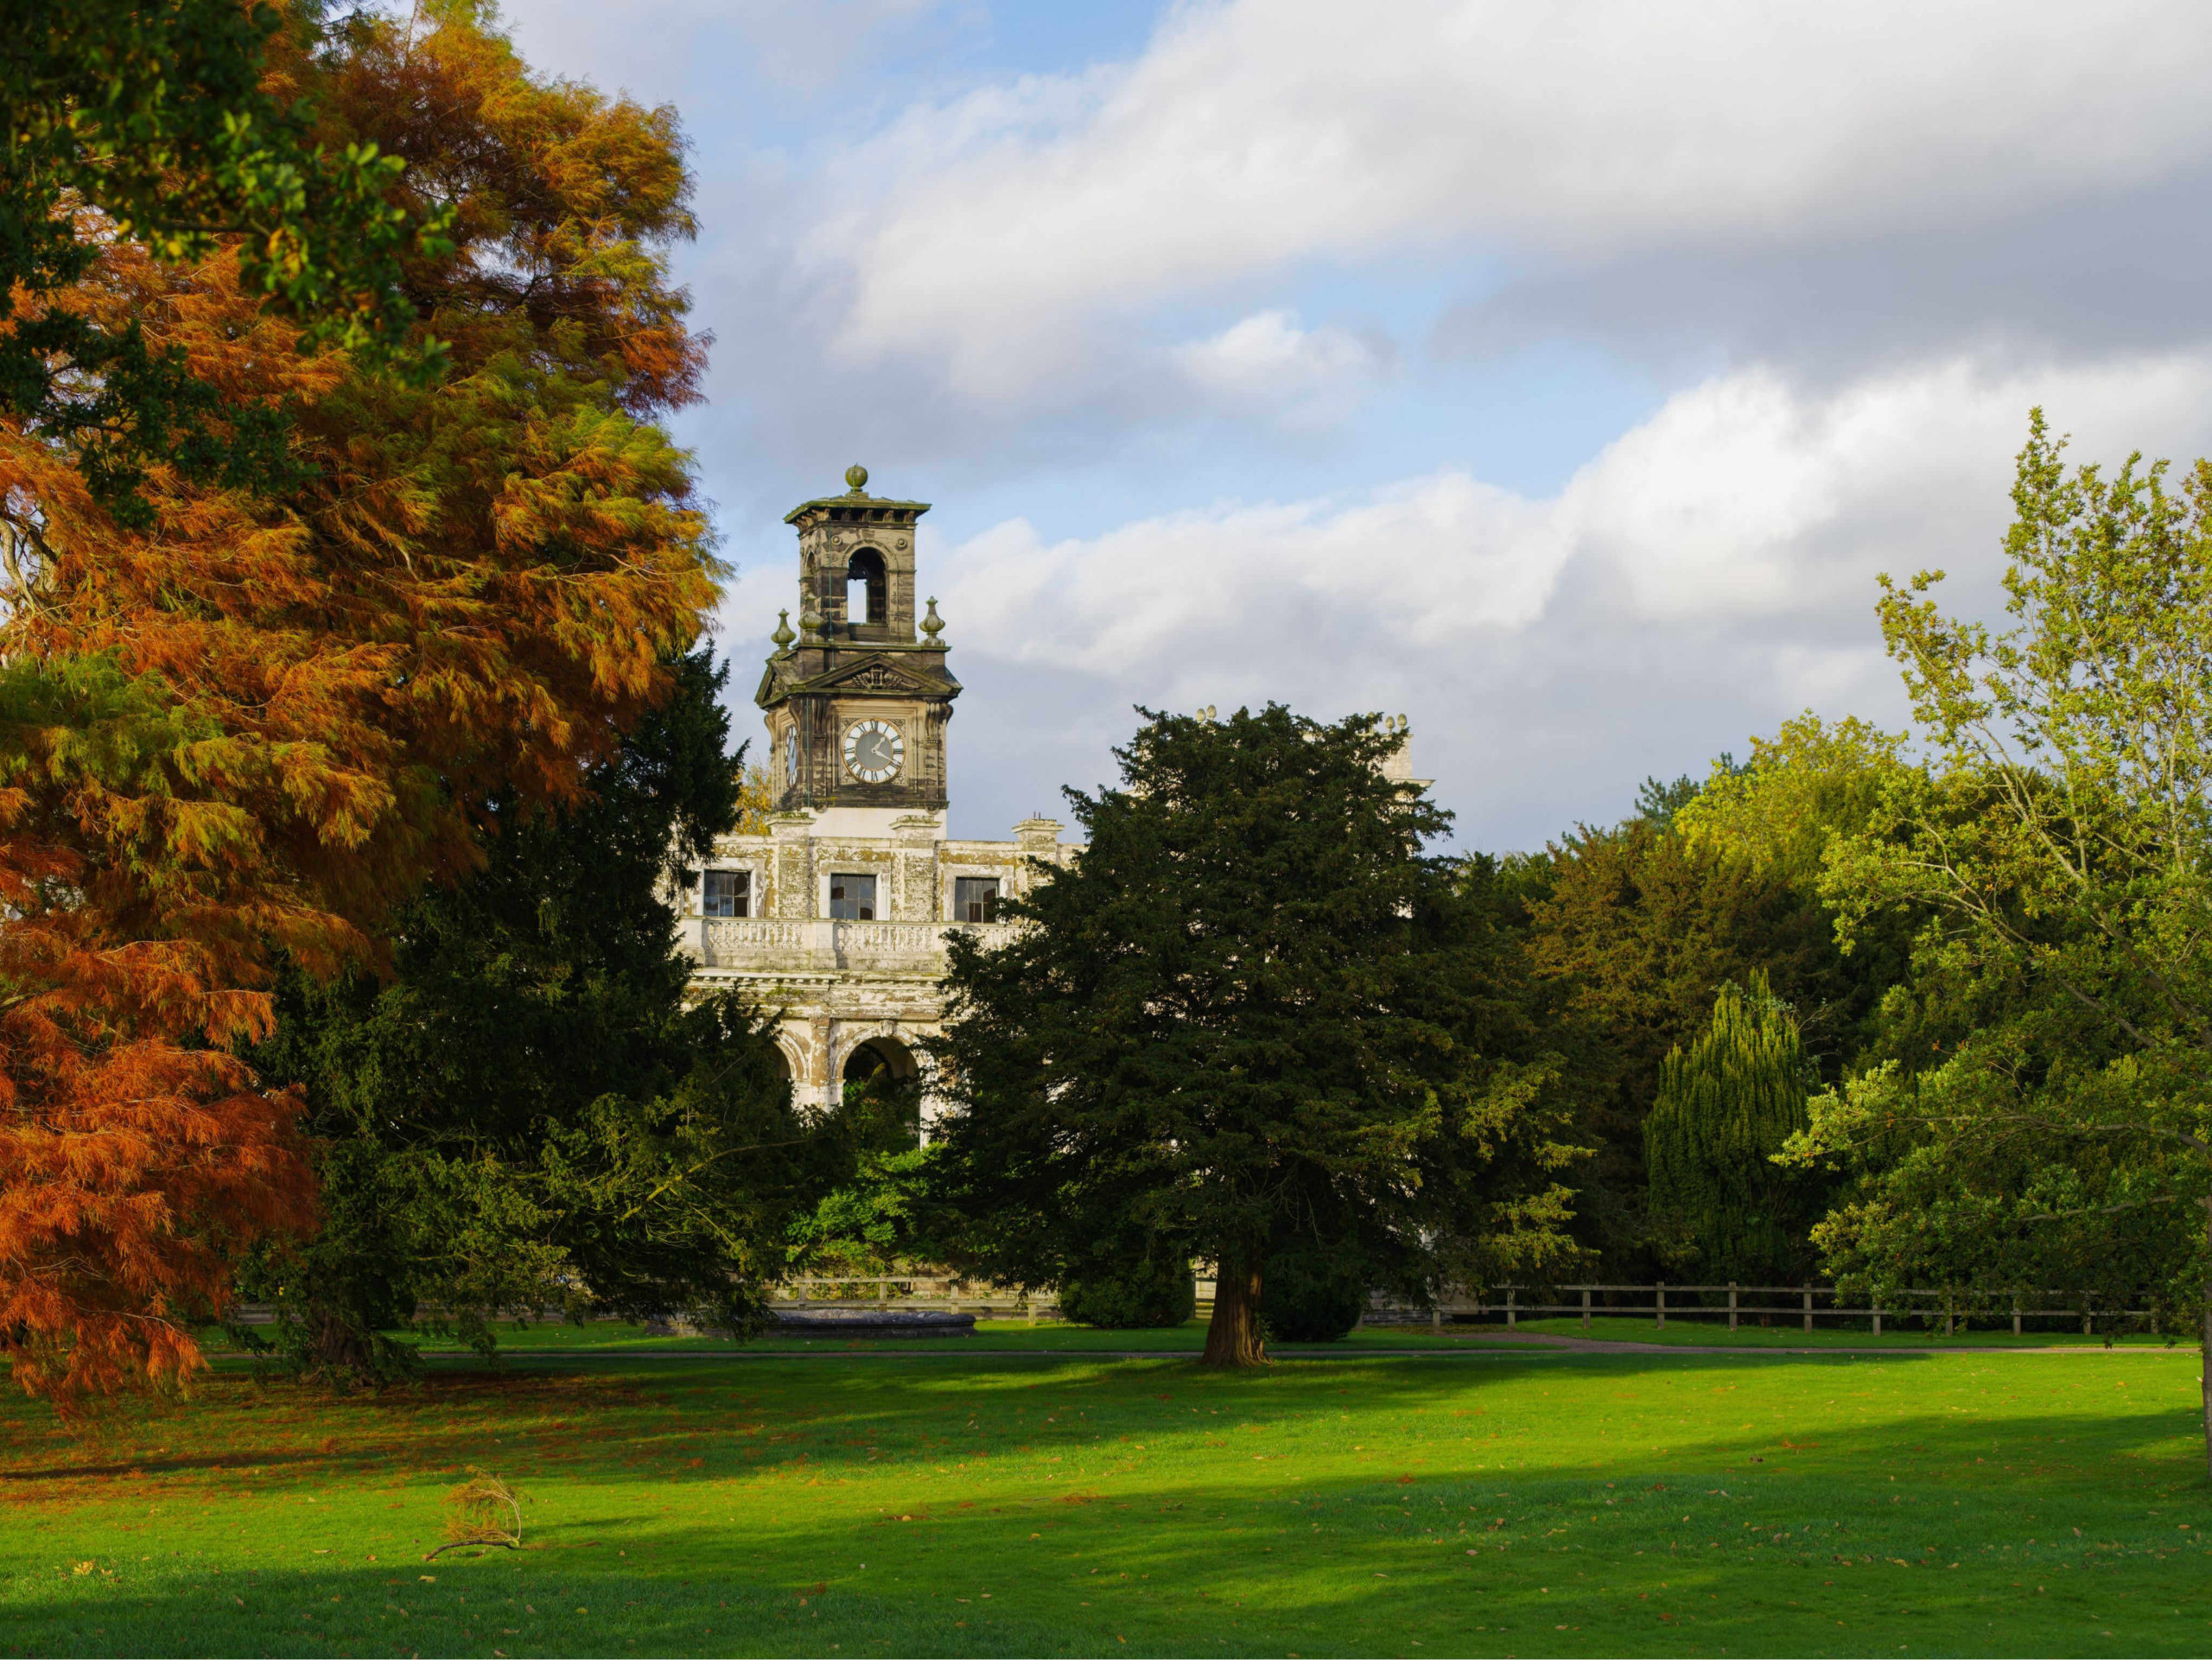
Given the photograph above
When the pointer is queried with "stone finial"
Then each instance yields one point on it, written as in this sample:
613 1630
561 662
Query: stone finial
933 625
1398 764
783 636
810 623
856 476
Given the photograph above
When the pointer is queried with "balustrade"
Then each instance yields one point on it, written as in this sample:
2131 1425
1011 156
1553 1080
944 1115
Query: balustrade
736 942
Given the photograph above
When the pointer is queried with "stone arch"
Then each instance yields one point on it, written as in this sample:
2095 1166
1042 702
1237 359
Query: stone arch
877 1071
876 1053
867 590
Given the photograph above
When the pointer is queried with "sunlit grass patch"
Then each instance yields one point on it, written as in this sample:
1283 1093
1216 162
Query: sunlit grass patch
1523 1502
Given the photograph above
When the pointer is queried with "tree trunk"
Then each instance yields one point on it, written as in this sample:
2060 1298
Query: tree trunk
1233 1335
338 1353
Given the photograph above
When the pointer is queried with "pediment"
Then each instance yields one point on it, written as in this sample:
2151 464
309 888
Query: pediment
883 674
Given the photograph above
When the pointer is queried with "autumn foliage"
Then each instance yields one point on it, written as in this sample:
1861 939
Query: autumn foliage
241 733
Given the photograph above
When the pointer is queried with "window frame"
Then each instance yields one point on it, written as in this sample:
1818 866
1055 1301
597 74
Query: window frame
741 876
874 906
988 903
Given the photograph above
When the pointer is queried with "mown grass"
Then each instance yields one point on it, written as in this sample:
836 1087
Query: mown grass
1504 1502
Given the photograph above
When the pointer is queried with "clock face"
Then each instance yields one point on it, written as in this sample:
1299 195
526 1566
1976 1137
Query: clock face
873 751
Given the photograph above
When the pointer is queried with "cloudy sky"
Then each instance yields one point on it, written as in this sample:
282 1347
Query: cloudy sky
1561 375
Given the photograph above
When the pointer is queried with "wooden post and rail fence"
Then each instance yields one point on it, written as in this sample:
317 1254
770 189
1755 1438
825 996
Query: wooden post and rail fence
1763 1305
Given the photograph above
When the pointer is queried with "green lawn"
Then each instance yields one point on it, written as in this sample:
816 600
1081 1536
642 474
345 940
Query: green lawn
1510 1502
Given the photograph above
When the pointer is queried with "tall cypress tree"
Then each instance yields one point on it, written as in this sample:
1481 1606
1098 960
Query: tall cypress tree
1725 1106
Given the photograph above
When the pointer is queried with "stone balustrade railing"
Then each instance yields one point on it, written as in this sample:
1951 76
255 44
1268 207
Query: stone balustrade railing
780 942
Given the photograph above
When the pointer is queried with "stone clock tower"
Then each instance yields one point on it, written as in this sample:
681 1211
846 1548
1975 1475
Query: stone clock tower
857 700
835 911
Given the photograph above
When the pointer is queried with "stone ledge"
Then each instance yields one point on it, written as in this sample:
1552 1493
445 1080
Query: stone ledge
872 1322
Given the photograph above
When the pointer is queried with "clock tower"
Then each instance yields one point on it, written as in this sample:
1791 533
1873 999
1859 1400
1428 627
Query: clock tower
856 701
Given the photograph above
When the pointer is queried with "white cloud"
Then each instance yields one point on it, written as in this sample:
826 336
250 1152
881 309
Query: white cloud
1744 499
993 230
1707 575
1431 558
1299 377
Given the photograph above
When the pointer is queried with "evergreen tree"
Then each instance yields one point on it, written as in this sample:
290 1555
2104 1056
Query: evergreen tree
531 1114
1628 931
1252 1017
1727 1106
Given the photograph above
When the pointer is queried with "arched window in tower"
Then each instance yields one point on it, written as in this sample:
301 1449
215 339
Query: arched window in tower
867 590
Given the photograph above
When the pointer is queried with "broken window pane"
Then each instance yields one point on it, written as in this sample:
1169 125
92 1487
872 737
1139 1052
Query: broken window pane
852 897
729 893
975 899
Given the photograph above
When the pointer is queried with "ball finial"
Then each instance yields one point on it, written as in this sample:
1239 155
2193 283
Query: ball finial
856 475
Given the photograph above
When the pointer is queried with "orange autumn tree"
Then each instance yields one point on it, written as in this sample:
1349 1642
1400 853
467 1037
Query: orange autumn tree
241 733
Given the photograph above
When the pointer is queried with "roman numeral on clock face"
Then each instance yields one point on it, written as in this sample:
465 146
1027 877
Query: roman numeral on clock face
875 751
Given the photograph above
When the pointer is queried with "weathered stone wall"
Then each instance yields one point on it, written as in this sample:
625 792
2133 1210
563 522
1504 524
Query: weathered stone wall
838 984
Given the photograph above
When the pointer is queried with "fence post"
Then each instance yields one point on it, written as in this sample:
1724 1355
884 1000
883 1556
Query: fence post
1661 1306
1436 1316
1877 1310
2086 1316
1586 1308
1950 1313
1809 1308
1512 1317
882 1295
2015 1313
1732 1305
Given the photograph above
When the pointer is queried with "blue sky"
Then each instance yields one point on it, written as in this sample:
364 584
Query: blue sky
1563 375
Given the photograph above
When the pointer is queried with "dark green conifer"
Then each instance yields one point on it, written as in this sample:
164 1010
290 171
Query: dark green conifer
1254 1022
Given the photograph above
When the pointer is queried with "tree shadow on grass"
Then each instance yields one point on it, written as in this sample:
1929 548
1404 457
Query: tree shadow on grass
531 1605
1245 1553
1766 1557
760 1419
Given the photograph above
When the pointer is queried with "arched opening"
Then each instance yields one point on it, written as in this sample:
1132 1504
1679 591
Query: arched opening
882 1088
868 590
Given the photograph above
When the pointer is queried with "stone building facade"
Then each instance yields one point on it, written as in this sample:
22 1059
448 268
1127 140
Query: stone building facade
837 915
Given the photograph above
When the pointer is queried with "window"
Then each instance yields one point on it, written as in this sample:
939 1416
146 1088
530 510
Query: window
867 588
729 893
975 898
852 898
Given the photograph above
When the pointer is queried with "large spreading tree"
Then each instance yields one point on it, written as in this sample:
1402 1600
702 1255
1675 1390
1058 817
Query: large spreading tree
244 727
2043 1117
1255 1018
